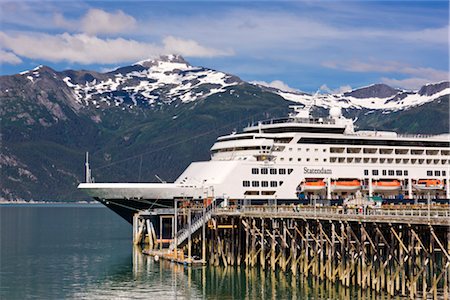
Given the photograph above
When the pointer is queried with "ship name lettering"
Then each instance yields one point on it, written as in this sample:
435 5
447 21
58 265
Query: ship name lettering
317 171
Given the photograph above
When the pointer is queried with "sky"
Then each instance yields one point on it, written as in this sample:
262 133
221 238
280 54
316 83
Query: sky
326 46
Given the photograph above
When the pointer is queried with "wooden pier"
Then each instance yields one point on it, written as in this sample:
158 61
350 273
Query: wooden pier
397 250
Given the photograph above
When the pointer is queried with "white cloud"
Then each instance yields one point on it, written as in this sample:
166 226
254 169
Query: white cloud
9 58
191 48
86 49
339 90
277 84
97 21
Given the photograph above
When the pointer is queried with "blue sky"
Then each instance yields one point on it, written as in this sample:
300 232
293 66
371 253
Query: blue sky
306 45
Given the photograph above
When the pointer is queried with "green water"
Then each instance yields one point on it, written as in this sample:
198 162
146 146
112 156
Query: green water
85 252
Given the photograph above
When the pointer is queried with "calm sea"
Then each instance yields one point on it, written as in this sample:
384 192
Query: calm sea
85 252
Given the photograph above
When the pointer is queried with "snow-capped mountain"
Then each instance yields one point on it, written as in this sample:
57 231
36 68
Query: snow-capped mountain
171 79
374 97
149 83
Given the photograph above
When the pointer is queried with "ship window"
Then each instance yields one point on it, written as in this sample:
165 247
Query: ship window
280 183
299 159
405 172
398 172
429 173
375 172
315 150
443 173
290 171
264 171
437 173
366 172
282 158
391 172
316 159
307 149
325 159
255 171
264 183
282 140
290 158
253 193
273 171
282 171
307 159
384 172
410 143
255 183
268 193
324 150
246 183
290 149
273 184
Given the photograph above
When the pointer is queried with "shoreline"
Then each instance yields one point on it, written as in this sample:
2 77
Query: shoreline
23 202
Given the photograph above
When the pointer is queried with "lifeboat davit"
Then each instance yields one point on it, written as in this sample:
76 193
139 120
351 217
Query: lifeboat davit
429 184
347 185
313 185
386 185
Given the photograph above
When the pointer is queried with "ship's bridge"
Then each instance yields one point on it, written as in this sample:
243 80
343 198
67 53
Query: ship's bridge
247 148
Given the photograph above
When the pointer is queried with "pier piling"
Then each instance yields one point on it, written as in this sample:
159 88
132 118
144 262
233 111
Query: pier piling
399 252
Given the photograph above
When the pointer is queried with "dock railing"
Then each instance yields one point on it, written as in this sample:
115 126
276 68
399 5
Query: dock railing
417 216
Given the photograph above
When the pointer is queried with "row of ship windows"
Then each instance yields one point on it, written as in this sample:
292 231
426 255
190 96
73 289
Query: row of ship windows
387 172
413 161
389 151
299 159
281 171
256 193
400 172
264 183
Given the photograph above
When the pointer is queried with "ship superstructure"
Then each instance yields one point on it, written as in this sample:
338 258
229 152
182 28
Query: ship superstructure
296 158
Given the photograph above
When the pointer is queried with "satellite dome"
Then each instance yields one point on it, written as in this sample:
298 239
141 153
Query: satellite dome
335 112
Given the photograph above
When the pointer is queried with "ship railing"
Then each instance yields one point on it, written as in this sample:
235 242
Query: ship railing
417 136
295 120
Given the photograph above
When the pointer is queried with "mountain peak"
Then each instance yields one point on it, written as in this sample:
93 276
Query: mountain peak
433 88
378 90
162 59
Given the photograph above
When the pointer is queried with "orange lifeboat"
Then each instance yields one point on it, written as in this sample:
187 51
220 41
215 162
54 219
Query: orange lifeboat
386 185
429 184
313 185
349 185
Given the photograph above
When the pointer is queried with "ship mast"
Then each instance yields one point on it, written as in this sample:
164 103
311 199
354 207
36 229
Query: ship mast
88 170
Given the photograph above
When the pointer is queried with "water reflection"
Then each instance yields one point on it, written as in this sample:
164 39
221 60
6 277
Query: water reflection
235 282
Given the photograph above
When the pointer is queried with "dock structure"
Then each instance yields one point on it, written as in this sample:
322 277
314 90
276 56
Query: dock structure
396 250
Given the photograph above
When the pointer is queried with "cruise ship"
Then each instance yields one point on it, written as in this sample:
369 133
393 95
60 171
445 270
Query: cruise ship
296 159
